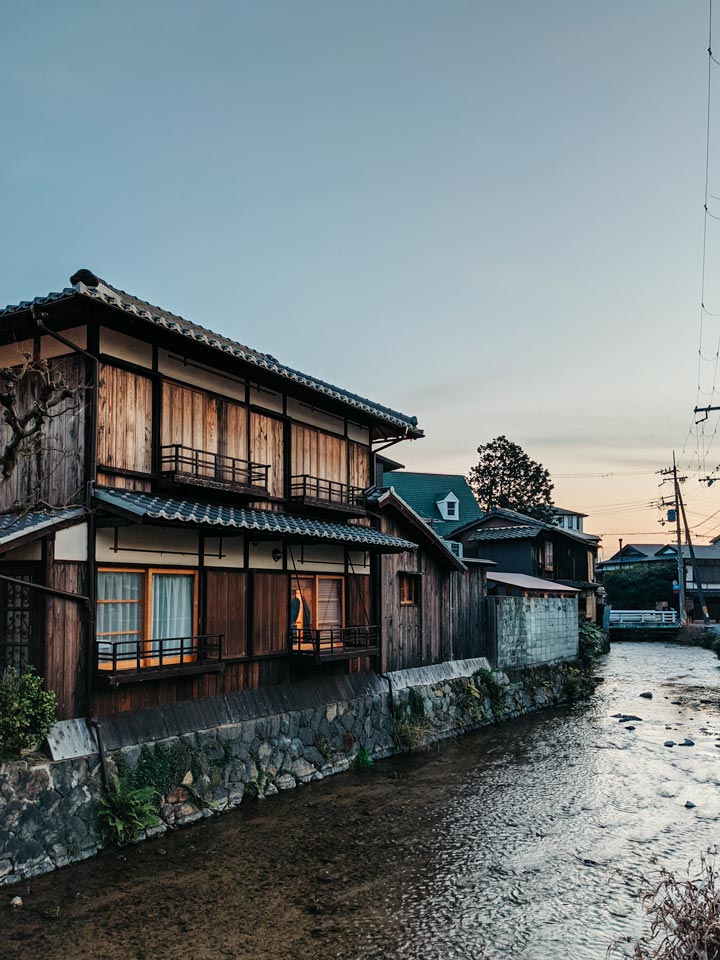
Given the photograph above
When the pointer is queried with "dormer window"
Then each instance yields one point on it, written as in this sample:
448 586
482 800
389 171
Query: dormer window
449 507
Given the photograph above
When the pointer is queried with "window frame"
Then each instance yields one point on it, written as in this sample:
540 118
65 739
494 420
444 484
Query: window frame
409 578
147 658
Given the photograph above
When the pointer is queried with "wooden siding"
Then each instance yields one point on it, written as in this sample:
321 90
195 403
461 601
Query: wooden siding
318 454
65 648
358 601
54 473
358 464
266 446
124 420
225 610
447 621
189 417
270 613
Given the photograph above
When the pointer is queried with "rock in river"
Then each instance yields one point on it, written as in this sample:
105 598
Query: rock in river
687 742
669 743
647 695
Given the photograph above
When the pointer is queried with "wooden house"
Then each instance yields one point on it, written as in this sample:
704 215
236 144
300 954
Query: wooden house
191 520
521 544
432 601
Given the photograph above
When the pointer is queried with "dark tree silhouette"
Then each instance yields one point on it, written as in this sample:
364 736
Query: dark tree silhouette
506 477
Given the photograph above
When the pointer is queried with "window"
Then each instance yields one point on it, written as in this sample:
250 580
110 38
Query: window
548 555
409 589
15 624
316 603
456 548
146 618
449 507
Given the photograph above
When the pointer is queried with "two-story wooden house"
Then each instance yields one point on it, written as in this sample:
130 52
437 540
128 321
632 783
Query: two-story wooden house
191 519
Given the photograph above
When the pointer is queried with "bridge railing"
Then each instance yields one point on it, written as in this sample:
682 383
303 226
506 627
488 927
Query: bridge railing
639 618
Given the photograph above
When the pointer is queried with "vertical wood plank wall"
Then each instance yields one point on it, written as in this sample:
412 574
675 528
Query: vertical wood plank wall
318 454
124 420
266 446
65 647
446 624
270 613
225 609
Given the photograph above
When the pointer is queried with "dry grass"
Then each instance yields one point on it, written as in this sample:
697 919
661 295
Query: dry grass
684 915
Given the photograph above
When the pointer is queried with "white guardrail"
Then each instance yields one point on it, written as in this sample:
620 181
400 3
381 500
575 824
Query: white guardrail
636 618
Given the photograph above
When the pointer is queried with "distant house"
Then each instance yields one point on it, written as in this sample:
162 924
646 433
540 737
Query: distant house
523 545
633 554
569 519
442 500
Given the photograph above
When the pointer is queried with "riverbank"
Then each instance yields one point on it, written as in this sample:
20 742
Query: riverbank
271 744
524 839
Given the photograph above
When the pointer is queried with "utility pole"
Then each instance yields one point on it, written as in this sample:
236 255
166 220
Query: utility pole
680 564
696 568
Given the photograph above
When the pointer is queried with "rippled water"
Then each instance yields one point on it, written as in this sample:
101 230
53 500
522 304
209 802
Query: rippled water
524 840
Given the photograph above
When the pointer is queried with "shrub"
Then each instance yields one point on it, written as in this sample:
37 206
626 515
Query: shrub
126 811
684 915
574 684
410 733
362 759
489 686
157 767
26 711
593 641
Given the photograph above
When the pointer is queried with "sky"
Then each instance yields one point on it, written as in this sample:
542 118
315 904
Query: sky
488 215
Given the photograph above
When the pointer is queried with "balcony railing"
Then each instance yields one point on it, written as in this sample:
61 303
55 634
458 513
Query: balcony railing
335 643
327 493
123 661
205 468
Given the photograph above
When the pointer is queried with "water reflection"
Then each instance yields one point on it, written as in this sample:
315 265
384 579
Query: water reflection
524 840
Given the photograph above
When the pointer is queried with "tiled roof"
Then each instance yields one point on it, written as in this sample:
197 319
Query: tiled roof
506 533
422 491
148 506
13 526
111 296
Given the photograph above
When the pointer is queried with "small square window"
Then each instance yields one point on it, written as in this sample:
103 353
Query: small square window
409 589
451 508
456 548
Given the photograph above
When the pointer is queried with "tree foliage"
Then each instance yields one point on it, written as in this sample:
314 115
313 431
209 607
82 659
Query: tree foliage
26 711
641 587
507 478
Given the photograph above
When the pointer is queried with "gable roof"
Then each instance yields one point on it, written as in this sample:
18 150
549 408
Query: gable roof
522 520
422 491
89 287
17 528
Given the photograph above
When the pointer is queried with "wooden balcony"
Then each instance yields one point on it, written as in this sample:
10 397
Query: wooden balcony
203 468
327 494
130 661
335 643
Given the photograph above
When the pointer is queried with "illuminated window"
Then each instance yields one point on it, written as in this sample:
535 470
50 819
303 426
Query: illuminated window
409 589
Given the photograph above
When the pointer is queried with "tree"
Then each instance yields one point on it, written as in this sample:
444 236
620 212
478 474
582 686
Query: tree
506 477
641 586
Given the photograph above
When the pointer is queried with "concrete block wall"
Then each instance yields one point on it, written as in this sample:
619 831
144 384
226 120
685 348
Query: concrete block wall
535 630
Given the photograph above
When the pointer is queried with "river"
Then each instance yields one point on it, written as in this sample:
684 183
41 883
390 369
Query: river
525 840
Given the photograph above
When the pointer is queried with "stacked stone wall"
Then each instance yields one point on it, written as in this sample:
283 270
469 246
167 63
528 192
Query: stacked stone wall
48 810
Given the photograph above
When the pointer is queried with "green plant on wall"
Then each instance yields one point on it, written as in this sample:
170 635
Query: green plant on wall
489 686
362 759
158 767
126 811
26 711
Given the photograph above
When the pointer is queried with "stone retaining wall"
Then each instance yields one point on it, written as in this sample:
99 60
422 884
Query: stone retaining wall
48 810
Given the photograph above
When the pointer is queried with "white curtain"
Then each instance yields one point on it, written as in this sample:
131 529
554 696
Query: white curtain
172 612
121 621
329 604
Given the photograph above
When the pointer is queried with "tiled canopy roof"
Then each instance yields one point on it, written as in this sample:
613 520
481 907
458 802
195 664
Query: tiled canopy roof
14 526
148 506
506 533
111 296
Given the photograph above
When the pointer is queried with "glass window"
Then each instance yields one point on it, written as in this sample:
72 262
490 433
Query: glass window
146 616
451 508
409 589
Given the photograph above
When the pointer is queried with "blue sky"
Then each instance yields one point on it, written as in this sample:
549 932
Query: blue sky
485 214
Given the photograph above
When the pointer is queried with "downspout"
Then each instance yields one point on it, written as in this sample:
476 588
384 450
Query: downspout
97 727
391 696
40 316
